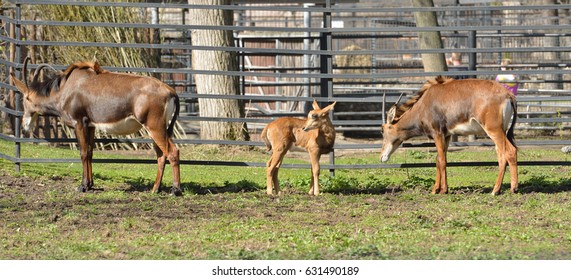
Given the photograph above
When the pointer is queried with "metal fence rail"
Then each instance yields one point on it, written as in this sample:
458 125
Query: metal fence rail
303 57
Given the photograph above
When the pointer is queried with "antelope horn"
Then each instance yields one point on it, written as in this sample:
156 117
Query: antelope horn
95 57
39 69
400 97
25 71
383 107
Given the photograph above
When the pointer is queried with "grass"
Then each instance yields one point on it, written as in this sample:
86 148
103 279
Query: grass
225 214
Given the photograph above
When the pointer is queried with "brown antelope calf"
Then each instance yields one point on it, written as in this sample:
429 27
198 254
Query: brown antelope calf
87 97
315 134
445 107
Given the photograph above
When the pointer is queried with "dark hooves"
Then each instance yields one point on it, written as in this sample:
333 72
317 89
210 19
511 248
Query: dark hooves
82 188
176 192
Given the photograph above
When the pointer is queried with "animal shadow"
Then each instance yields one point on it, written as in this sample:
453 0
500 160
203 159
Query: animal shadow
228 187
542 184
535 184
349 190
144 185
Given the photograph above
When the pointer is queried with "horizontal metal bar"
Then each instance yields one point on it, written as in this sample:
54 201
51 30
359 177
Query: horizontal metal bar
298 8
377 29
294 166
261 144
11 111
274 51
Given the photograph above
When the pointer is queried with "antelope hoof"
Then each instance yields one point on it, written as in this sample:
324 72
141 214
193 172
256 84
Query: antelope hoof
273 194
82 188
176 191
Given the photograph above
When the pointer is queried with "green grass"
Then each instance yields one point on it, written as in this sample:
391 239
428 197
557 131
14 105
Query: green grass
225 214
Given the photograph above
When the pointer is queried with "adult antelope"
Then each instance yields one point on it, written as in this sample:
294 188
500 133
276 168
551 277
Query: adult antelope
315 134
87 97
445 107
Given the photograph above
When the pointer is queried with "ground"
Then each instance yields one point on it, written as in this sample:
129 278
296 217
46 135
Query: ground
382 214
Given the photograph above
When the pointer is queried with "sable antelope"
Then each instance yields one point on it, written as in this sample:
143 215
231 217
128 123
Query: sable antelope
87 97
445 107
315 134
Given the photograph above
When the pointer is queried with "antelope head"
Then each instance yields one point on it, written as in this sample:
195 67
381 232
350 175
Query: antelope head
317 117
32 105
392 139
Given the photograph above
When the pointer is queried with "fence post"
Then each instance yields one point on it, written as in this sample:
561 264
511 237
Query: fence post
326 66
472 55
156 38
18 58
307 57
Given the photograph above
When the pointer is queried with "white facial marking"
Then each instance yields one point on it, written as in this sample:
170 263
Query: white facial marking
386 152
27 122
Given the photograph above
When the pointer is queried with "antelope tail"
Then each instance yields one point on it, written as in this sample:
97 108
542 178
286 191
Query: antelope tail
264 136
510 133
170 129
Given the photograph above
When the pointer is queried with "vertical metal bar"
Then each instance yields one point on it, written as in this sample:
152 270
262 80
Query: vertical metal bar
306 57
374 59
242 63
18 58
277 63
156 36
326 66
472 55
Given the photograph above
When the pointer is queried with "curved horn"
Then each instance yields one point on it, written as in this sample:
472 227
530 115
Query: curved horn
39 69
25 71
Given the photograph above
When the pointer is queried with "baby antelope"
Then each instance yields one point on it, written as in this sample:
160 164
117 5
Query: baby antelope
315 134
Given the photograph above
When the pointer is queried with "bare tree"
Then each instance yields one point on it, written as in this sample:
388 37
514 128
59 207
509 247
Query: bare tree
213 60
429 40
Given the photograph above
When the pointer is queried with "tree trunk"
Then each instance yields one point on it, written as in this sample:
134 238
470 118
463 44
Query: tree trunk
216 61
429 40
551 18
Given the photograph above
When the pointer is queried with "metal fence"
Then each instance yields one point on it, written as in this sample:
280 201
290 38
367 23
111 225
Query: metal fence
356 54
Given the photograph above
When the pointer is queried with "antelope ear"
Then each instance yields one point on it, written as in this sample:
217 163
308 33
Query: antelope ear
329 108
19 84
315 105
